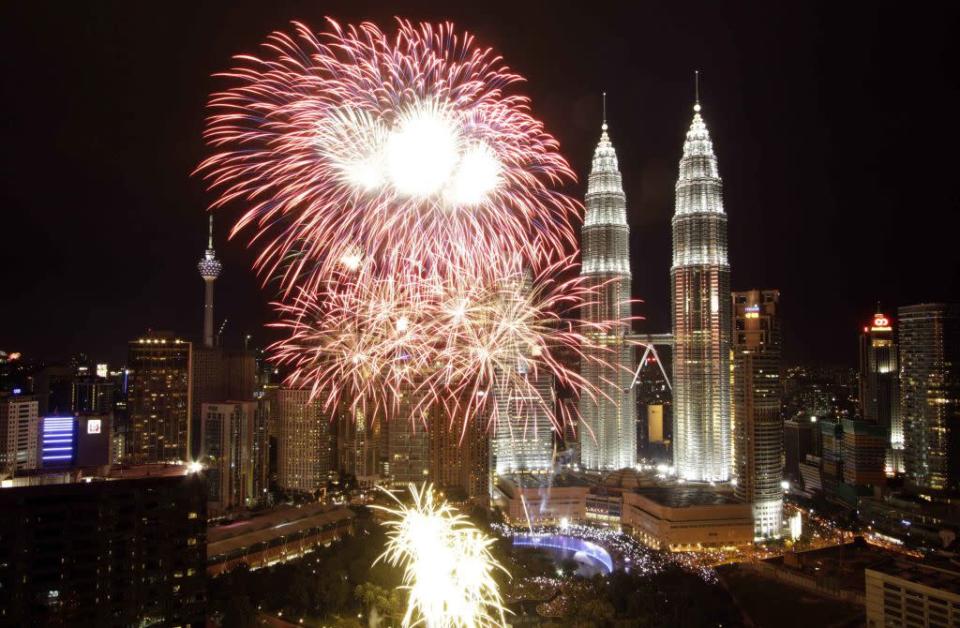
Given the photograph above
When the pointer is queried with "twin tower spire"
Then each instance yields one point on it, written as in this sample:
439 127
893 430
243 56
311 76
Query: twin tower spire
701 314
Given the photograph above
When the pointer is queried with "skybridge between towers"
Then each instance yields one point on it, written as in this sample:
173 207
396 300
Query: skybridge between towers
650 342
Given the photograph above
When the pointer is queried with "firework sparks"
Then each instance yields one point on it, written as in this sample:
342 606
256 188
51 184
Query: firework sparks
405 201
446 341
406 146
447 565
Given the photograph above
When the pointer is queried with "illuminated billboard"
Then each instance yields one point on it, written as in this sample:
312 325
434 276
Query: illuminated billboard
57 441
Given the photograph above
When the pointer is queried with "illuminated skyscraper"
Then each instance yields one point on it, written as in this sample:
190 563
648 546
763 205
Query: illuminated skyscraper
522 432
159 398
758 428
304 442
700 282
229 434
930 393
608 432
880 384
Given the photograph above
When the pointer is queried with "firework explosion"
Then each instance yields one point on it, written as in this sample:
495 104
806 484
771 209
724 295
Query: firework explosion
447 565
352 145
405 205
447 340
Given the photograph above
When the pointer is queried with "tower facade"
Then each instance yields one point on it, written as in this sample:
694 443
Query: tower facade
758 428
159 398
930 393
608 432
700 285
880 384
209 267
305 454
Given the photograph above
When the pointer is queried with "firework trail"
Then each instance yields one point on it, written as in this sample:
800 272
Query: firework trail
447 565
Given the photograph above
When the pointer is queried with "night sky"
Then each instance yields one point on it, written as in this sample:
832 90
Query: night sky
834 126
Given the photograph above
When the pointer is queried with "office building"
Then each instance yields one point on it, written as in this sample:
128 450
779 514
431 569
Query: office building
608 433
865 446
798 443
19 433
58 442
522 431
105 551
879 390
358 447
94 440
459 455
228 433
655 434
159 398
305 447
900 592
91 394
52 386
687 518
758 433
701 315
831 439
930 394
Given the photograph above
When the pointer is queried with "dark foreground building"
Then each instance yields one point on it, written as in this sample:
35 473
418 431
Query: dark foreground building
126 550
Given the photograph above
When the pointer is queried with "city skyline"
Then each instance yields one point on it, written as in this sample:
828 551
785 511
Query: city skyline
782 184
456 355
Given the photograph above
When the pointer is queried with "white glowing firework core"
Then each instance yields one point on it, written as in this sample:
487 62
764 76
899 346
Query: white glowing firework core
351 260
477 175
422 151
448 567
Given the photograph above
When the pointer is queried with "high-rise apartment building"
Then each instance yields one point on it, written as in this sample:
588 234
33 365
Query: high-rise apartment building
19 433
758 427
930 393
108 552
701 314
880 384
608 432
229 433
459 455
406 439
358 447
305 447
159 398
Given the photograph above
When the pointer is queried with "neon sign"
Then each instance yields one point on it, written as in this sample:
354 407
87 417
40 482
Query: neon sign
881 323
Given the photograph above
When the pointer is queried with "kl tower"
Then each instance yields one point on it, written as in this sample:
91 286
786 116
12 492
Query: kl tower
209 267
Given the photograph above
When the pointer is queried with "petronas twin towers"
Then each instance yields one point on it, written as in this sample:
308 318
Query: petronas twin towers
701 316
608 435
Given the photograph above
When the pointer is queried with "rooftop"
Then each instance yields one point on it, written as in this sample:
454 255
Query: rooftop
945 577
544 480
686 496
283 521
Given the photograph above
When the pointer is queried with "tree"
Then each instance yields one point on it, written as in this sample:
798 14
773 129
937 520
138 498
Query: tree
380 604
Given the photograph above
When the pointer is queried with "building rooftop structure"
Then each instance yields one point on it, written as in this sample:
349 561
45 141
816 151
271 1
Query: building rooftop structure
544 481
281 522
942 575
687 496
